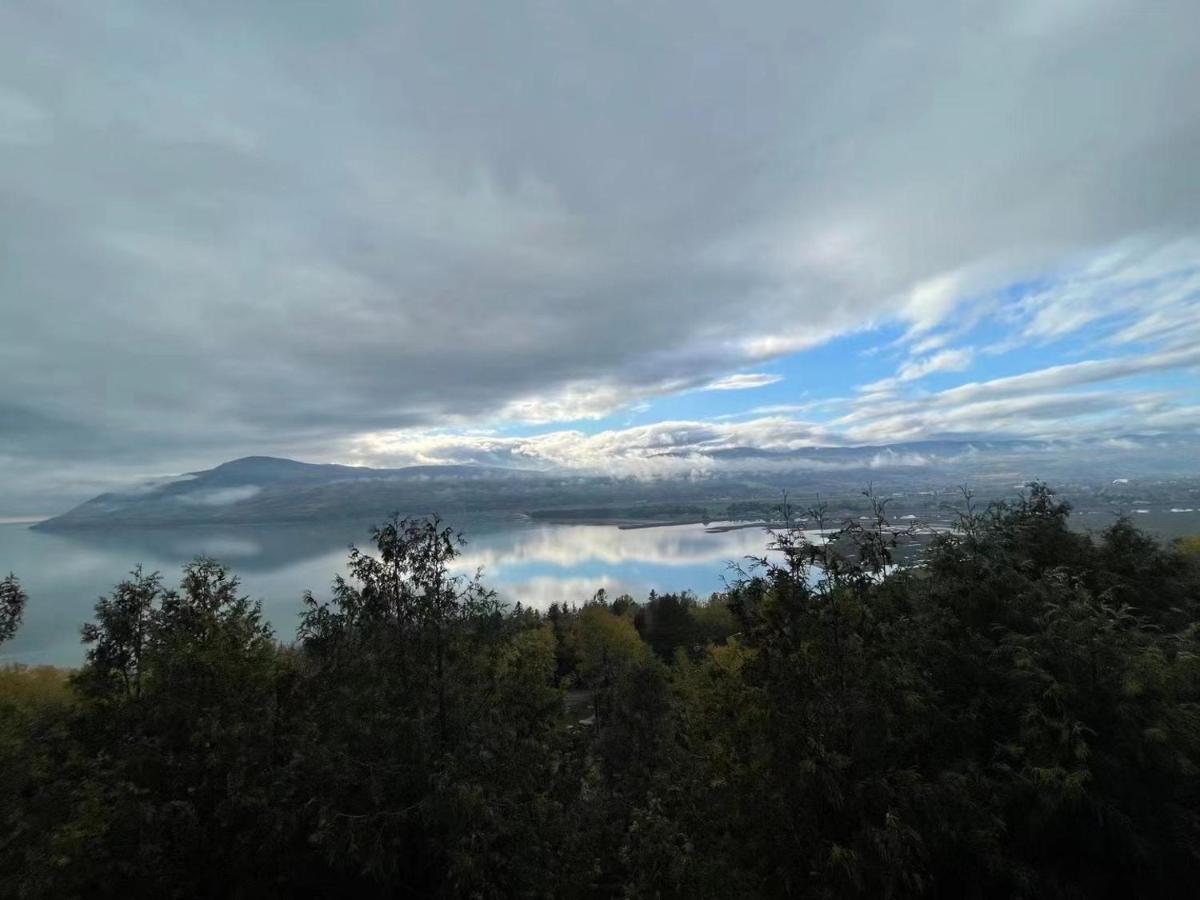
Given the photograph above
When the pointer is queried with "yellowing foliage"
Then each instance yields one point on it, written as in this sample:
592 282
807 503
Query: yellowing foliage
606 644
29 686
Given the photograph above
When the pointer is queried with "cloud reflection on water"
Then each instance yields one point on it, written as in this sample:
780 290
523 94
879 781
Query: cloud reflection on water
567 546
533 565
568 563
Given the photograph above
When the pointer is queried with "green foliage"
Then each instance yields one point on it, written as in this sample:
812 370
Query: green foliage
12 606
667 624
1015 713
430 722
35 705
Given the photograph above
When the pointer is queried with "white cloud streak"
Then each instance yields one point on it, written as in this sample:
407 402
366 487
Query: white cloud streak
916 369
743 382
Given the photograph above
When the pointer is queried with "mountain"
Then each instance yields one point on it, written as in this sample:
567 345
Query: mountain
265 490
261 489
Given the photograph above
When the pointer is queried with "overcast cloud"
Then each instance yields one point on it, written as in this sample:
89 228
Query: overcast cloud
340 231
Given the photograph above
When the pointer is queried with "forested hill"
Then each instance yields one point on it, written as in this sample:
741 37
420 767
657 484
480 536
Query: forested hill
1016 715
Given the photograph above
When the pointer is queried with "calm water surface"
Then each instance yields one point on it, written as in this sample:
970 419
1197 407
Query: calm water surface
64 574
537 565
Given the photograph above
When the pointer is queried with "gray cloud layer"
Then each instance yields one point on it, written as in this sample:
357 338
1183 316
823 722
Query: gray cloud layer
248 227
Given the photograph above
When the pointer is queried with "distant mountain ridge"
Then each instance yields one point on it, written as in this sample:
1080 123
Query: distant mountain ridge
264 490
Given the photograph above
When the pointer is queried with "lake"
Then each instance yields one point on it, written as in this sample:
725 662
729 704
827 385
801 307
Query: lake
65 573
536 564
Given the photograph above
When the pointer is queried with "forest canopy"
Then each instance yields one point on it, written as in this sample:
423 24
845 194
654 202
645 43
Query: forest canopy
1015 711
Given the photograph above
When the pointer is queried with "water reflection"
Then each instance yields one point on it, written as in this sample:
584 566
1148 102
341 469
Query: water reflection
570 546
534 564
250 548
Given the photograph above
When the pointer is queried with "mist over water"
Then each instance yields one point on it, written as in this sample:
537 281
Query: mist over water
536 565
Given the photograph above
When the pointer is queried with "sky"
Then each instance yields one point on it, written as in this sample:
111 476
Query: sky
580 233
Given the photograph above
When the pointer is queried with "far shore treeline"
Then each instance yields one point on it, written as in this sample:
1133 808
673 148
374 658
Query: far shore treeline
1014 712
